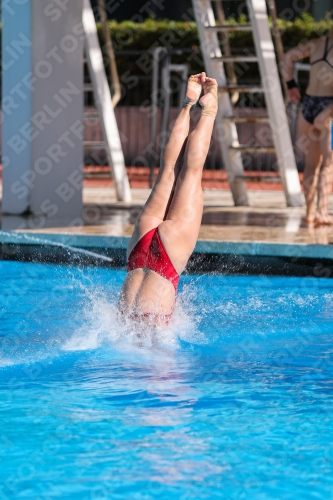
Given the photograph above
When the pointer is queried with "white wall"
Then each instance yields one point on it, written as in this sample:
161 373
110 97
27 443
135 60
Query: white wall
42 132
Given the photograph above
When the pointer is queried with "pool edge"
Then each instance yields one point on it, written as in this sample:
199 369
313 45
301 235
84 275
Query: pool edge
208 256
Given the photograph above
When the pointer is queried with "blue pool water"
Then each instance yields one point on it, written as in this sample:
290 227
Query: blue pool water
233 400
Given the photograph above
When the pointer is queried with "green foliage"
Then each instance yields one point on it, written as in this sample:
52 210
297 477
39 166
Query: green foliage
128 35
173 35
304 28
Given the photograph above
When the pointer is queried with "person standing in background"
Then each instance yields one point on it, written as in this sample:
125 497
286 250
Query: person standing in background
315 123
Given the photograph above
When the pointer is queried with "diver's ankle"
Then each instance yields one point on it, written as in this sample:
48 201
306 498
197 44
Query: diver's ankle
188 103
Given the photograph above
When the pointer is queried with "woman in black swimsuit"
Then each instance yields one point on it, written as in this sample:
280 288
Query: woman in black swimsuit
315 123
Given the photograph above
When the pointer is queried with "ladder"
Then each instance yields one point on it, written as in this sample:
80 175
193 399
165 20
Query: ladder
100 87
270 86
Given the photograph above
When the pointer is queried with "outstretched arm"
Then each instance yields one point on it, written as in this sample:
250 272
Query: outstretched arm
293 55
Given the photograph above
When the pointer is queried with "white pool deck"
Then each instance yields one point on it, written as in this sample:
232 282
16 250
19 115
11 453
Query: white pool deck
266 227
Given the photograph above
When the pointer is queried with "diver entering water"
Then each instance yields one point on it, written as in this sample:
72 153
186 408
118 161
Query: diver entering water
167 228
315 123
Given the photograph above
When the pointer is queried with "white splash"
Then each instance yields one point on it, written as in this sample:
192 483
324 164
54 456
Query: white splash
103 326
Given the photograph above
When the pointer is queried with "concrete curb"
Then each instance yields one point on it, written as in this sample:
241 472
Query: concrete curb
202 247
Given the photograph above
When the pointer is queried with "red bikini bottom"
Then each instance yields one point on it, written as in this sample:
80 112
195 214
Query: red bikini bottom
150 253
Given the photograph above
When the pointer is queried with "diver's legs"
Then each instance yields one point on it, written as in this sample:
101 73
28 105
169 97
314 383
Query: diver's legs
313 161
323 123
179 232
153 213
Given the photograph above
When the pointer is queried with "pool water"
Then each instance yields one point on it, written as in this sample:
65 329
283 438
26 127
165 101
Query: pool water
233 400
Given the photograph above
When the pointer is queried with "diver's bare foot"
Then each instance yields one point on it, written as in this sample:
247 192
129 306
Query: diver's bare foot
309 219
323 219
194 88
209 100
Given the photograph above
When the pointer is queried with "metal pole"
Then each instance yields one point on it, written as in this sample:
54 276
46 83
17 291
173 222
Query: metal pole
183 69
114 77
274 101
278 45
230 69
104 105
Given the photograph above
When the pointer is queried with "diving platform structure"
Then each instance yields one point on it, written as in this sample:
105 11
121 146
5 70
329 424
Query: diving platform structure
211 24
42 107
